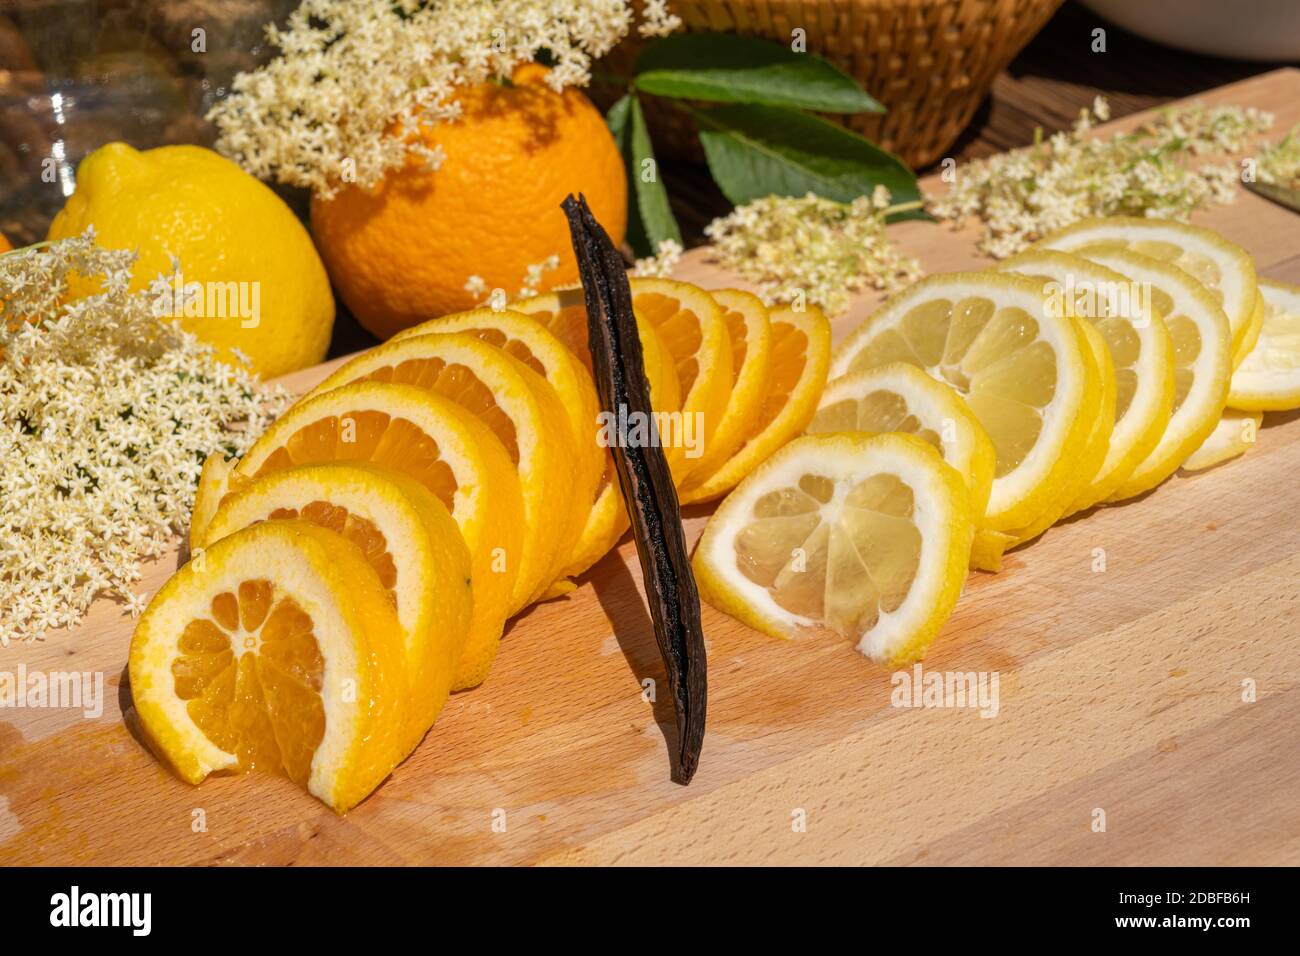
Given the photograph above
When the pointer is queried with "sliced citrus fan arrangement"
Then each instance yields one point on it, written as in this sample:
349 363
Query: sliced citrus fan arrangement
360 561
975 410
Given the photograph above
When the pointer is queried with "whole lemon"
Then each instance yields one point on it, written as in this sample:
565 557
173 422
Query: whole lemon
250 280
403 251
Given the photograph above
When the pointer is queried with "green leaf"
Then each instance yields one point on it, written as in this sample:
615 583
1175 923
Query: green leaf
650 218
726 68
617 117
756 151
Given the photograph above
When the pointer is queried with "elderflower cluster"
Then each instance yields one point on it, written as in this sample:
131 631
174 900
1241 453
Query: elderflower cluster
355 79
813 249
660 265
1023 196
106 416
1279 163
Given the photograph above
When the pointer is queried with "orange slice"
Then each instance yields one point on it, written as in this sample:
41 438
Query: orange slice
800 357
440 445
750 332
693 328
523 411
281 652
410 541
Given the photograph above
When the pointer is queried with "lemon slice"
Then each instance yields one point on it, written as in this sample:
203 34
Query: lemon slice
902 398
280 652
1023 372
989 546
1139 349
867 534
800 354
750 332
1202 343
1268 379
1247 343
440 445
523 411
408 539
1232 437
1224 268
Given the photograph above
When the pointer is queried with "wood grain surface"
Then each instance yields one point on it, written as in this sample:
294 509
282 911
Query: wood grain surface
1160 695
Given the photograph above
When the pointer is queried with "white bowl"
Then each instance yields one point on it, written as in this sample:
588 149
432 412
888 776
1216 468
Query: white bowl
1242 29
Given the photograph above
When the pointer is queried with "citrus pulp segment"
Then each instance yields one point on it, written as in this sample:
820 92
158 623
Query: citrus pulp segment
528 340
564 314
1102 414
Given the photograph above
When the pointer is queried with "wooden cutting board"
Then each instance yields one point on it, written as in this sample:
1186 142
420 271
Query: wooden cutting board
1159 697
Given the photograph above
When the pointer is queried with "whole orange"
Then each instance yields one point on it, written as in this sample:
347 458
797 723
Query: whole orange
402 252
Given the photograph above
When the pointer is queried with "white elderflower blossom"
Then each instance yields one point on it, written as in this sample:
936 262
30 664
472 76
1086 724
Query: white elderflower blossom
660 265
106 416
355 80
1279 163
1021 197
535 273
813 248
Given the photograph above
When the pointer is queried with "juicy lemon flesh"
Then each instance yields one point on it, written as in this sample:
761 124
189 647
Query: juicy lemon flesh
1187 348
1281 349
371 436
876 412
458 383
1199 266
992 356
1121 341
362 532
842 559
679 328
251 674
1125 351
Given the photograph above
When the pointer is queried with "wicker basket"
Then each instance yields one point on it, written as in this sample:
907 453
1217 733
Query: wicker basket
931 62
